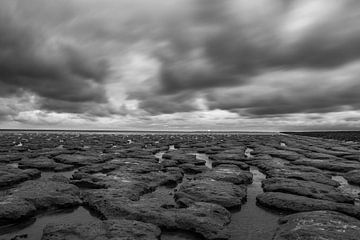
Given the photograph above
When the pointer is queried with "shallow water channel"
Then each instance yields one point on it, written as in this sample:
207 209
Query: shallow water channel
253 222
33 228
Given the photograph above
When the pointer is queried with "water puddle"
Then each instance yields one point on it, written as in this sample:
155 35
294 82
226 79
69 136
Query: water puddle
180 235
14 165
347 188
247 152
253 222
67 174
159 155
33 229
204 157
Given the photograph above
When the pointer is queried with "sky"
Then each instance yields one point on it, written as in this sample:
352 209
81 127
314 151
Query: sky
256 65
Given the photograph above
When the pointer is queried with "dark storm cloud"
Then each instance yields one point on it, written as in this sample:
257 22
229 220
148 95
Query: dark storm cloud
268 40
65 106
231 45
6 90
176 77
53 69
5 114
299 91
165 104
88 108
222 44
216 54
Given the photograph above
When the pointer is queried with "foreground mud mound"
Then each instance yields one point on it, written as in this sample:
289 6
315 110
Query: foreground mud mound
178 186
318 225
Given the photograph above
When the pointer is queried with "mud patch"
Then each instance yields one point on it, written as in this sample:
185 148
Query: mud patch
348 189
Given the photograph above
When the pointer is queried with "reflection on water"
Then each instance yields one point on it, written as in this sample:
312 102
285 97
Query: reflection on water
47 175
253 222
204 157
14 165
347 188
247 152
34 229
159 155
180 235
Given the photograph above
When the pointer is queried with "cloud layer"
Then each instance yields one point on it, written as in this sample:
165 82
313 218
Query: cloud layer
48 67
292 53
228 64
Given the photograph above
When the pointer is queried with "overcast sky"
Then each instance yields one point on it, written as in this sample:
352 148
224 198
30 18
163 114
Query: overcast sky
180 64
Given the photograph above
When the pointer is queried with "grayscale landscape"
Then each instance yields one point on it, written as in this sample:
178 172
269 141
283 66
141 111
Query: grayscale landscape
179 120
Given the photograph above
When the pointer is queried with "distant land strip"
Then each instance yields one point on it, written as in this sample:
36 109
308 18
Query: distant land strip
139 131
337 135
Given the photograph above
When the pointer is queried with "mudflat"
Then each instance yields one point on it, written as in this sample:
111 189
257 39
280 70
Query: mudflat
177 186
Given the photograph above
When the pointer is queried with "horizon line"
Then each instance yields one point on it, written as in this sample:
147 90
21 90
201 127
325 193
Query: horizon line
115 130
